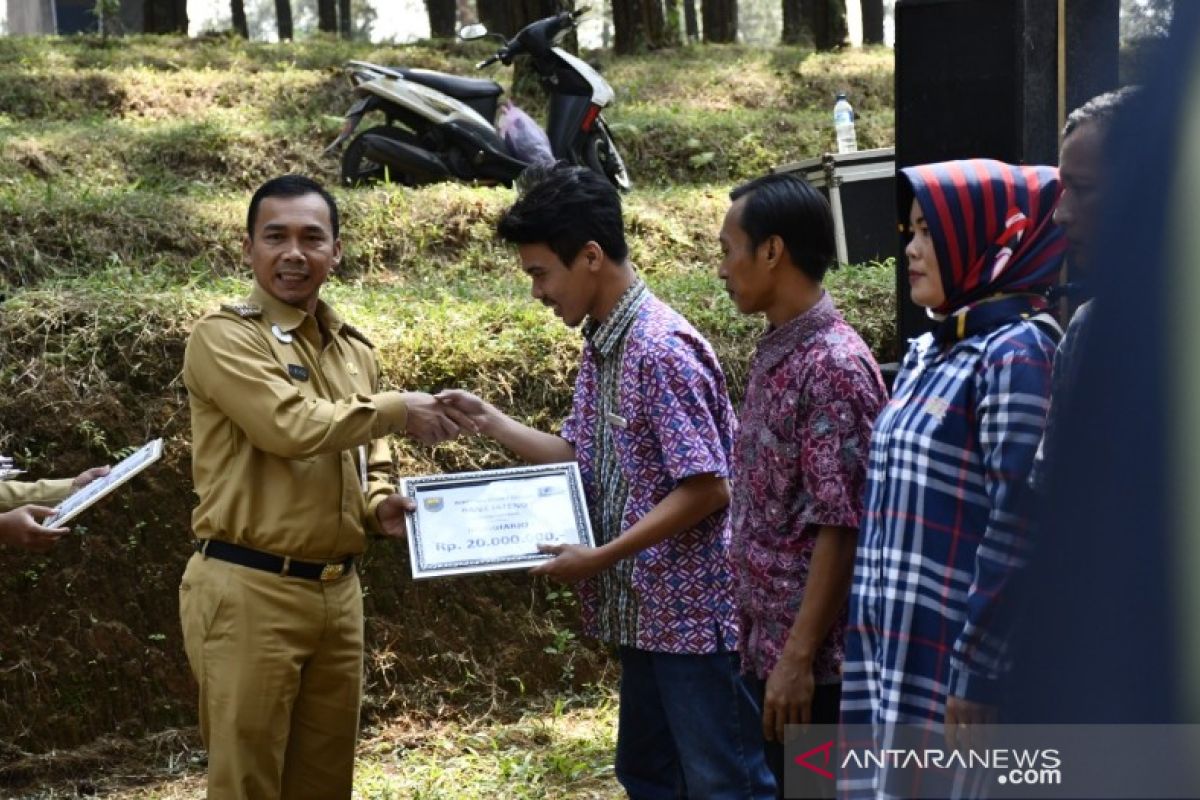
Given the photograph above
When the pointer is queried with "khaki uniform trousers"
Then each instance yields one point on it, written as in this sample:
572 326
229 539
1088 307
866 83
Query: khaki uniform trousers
280 665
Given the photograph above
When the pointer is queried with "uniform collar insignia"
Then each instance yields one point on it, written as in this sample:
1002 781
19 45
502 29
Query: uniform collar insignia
243 310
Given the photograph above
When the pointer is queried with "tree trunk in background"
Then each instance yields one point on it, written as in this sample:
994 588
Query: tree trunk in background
837 31
239 18
627 33
690 24
640 25
656 23
327 16
165 16
442 18
345 20
793 22
520 14
720 20
872 21
283 19
826 20
497 16
671 35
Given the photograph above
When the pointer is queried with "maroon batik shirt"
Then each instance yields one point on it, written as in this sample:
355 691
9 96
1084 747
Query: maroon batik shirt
800 463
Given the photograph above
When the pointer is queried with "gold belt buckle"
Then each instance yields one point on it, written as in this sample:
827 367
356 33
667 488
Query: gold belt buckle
331 572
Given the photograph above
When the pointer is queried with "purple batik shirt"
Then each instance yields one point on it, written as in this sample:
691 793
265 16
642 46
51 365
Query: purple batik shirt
800 463
672 420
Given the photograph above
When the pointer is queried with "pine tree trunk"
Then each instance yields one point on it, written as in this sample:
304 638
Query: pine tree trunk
655 22
327 16
640 25
720 20
837 31
628 36
165 16
690 23
497 16
826 21
345 20
872 20
521 13
793 22
283 19
671 34
442 18
238 7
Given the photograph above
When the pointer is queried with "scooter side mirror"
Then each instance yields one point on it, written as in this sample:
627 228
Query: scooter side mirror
471 32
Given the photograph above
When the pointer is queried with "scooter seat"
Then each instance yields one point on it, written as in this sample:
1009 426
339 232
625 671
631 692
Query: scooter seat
453 85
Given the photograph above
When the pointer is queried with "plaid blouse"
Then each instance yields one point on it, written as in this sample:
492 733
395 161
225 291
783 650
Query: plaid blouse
939 542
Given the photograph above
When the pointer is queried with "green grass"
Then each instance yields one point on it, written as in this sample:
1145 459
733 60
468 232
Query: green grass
694 114
557 748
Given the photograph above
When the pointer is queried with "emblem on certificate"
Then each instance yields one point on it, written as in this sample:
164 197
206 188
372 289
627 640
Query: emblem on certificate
495 519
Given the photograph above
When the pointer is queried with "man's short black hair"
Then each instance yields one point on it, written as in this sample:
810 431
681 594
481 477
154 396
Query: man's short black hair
786 206
564 208
290 186
1101 109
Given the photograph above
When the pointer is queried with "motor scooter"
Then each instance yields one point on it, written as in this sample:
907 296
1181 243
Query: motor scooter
441 127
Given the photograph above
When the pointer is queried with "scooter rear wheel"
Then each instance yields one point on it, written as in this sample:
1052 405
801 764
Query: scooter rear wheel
601 155
358 170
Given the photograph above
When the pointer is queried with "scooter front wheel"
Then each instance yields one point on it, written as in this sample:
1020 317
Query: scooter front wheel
359 170
600 154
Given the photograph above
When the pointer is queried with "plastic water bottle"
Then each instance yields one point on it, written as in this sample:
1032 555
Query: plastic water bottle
843 123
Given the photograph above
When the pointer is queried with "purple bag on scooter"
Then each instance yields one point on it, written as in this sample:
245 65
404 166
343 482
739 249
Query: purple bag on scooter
524 138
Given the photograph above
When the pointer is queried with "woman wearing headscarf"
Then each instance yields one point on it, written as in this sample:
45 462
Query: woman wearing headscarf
943 533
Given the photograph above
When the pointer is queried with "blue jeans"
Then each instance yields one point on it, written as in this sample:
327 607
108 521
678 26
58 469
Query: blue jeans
688 728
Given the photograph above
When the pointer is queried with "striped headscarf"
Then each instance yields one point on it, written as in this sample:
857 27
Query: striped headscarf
991 227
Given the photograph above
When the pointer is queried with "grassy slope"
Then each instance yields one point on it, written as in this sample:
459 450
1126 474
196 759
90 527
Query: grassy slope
123 177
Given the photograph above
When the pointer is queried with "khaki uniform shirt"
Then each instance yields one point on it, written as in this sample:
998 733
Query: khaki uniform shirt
14 494
283 426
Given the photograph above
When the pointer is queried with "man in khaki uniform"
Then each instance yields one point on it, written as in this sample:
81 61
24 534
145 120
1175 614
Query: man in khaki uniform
291 468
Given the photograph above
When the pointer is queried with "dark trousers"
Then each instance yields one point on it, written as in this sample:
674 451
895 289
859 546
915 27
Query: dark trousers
827 699
688 729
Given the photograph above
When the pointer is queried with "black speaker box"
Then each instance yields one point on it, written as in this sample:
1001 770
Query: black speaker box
974 78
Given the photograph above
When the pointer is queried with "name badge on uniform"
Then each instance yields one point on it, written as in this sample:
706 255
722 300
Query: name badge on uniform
298 372
618 421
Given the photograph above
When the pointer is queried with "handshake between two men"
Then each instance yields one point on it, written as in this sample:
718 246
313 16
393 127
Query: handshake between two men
433 419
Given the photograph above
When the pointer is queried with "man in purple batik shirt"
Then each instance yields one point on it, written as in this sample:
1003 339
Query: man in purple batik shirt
800 461
651 428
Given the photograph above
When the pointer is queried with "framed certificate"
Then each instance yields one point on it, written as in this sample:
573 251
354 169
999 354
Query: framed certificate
100 488
493 520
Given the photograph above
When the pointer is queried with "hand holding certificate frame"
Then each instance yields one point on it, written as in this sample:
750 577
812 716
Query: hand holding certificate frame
495 519
83 499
